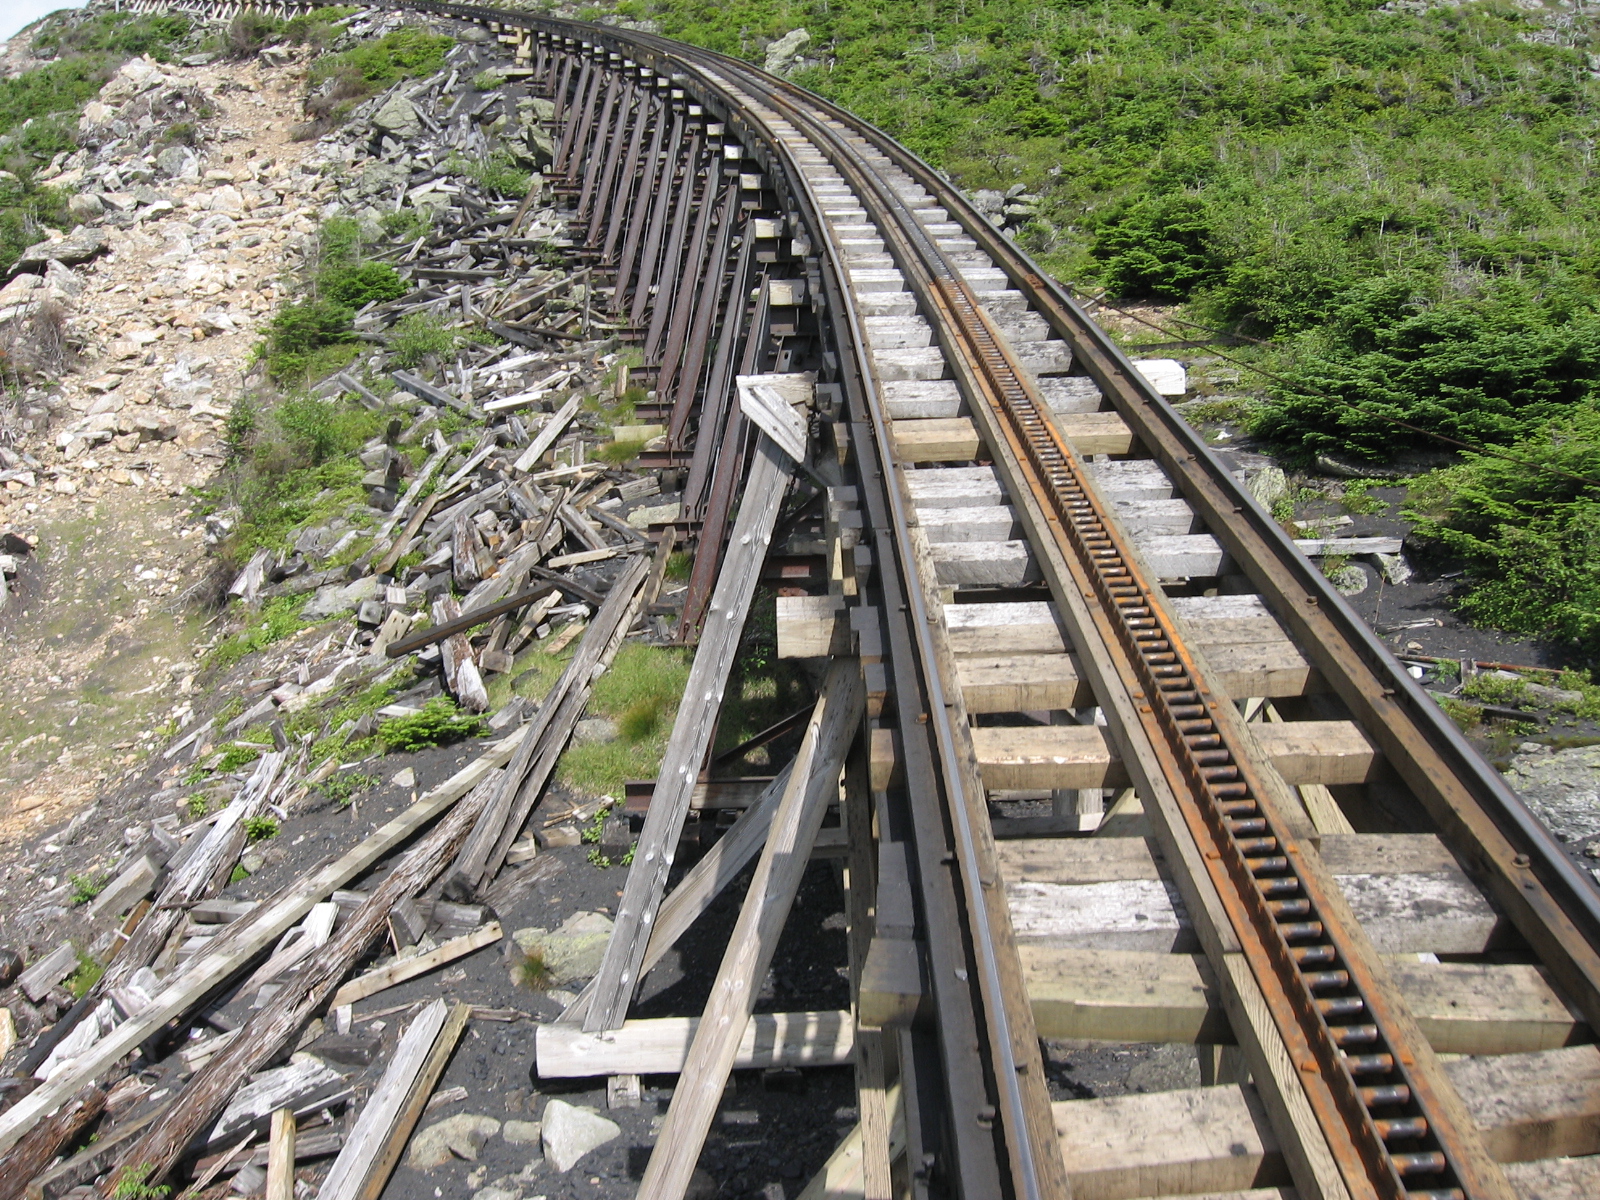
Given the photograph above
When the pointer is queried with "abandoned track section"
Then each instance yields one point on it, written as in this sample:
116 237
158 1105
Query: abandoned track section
1057 592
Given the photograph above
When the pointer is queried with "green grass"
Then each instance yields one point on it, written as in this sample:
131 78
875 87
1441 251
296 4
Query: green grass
418 335
238 756
640 693
1491 689
342 789
278 618
86 975
260 828
86 887
498 173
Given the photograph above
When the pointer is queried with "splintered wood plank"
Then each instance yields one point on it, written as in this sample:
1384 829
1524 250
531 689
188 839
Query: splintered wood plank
1132 996
1167 1143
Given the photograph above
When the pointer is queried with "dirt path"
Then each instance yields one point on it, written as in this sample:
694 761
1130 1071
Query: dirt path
98 645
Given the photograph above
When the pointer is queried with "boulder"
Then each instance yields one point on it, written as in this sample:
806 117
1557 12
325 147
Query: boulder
80 246
568 1132
398 117
522 1133
85 206
1562 787
175 162
783 53
460 1136
571 952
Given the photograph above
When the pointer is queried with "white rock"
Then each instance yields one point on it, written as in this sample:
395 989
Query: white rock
460 1136
1166 375
405 778
569 1132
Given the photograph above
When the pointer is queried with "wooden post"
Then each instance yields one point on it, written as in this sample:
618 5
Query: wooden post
813 786
691 736
280 1156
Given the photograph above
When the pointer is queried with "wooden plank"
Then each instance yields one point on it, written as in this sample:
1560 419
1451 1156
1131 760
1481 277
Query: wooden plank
1082 756
546 736
1132 996
1403 914
346 1179
1529 1107
618 976
547 435
272 1027
409 968
1164 1143
812 787
48 971
280 1156
703 882
955 439
1544 1104
427 1079
39 1146
660 1046
846 1174
1556 1178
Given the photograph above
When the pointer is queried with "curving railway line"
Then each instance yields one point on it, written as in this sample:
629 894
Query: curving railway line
1259 835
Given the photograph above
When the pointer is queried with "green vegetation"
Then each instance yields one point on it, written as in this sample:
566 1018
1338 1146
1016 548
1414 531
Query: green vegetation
197 805
1464 715
260 828
640 693
1493 689
342 789
86 887
240 754
278 618
340 81
115 35
86 975
132 1185
1357 501
408 224
1527 536
498 173
438 722
418 335
530 970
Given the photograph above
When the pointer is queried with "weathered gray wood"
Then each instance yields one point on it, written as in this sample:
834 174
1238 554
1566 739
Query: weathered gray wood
383 1162
348 1176
660 1046
293 1087
136 881
460 671
245 938
547 735
813 785
50 970
273 1027
717 868
547 435
691 735
34 1152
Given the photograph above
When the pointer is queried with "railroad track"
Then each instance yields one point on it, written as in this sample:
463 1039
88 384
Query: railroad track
1257 835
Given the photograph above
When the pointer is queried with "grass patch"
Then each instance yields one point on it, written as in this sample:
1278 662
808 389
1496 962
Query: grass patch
279 617
86 887
85 976
497 173
1357 499
343 789
1466 716
680 563
340 81
617 453
531 971
260 828
239 755
640 692
439 722
1492 689
408 224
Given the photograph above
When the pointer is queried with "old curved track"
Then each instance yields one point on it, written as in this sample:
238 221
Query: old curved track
1056 592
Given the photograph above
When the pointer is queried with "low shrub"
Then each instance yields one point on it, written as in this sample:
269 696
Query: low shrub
418 335
440 721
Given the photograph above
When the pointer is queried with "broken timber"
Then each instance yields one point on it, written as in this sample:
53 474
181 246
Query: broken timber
691 736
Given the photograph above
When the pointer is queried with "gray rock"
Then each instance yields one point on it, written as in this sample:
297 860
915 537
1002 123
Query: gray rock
398 117
1269 485
1394 567
85 206
1562 788
521 1133
175 162
460 1136
570 1132
594 729
571 952
1349 580
497 1193
80 246
337 598
781 54
989 202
